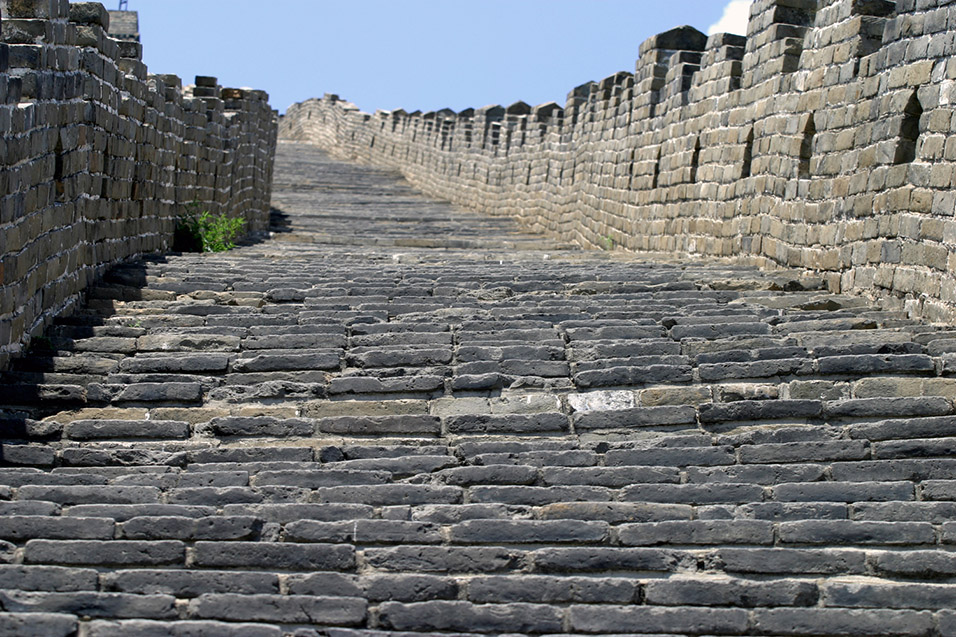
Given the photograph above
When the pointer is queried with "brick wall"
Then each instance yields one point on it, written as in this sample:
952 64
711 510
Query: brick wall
98 157
823 140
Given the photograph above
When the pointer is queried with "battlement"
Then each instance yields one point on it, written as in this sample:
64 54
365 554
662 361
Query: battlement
100 156
821 140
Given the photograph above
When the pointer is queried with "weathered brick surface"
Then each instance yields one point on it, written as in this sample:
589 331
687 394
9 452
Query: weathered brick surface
821 140
100 158
523 500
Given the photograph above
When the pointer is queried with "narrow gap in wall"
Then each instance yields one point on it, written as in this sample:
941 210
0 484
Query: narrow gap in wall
547 171
308 115
657 169
909 131
372 143
695 160
748 154
806 149
527 178
459 169
630 170
58 169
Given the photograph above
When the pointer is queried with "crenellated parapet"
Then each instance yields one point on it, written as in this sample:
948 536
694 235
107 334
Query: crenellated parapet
823 139
100 157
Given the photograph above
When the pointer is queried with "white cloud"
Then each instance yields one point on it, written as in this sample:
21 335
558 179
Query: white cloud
734 19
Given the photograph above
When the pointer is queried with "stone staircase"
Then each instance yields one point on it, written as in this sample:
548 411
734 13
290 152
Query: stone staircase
400 417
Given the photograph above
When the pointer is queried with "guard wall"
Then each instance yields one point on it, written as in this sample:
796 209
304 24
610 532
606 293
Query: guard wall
98 158
825 139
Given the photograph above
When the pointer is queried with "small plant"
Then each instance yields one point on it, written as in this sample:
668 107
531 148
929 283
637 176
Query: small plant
201 231
608 242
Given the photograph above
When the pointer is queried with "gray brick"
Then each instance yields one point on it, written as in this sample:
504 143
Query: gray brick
183 528
151 628
775 511
535 496
489 474
889 470
935 512
321 584
409 588
527 531
682 620
877 407
816 451
364 532
915 448
635 418
443 559
380 425
844 532
260 426
506 423
105 552
888 595
123 512
607 476
838 621
790 561
938 489
748 410
341 611
91 604
183 583
25 527
680 457
677 532
34 624
285 556
843 491
925 564
552 590
91 494
389 494
872 363
615 512
110 429
708 493
315 478
588 560
285 513
905 428
455 615
724 591
47 578
763 474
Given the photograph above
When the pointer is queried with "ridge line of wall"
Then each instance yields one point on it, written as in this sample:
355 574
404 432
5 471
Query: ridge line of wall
824 140
99 157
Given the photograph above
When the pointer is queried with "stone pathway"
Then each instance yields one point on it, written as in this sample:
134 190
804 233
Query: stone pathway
399 416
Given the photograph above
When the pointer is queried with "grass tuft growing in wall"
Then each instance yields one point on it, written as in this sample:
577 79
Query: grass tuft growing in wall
200 231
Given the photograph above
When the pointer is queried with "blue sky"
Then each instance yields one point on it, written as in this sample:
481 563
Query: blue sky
413 54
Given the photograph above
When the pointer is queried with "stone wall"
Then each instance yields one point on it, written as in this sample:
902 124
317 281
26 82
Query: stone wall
98 158
823 140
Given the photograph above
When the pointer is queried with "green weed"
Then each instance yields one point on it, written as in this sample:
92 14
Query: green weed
201 231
